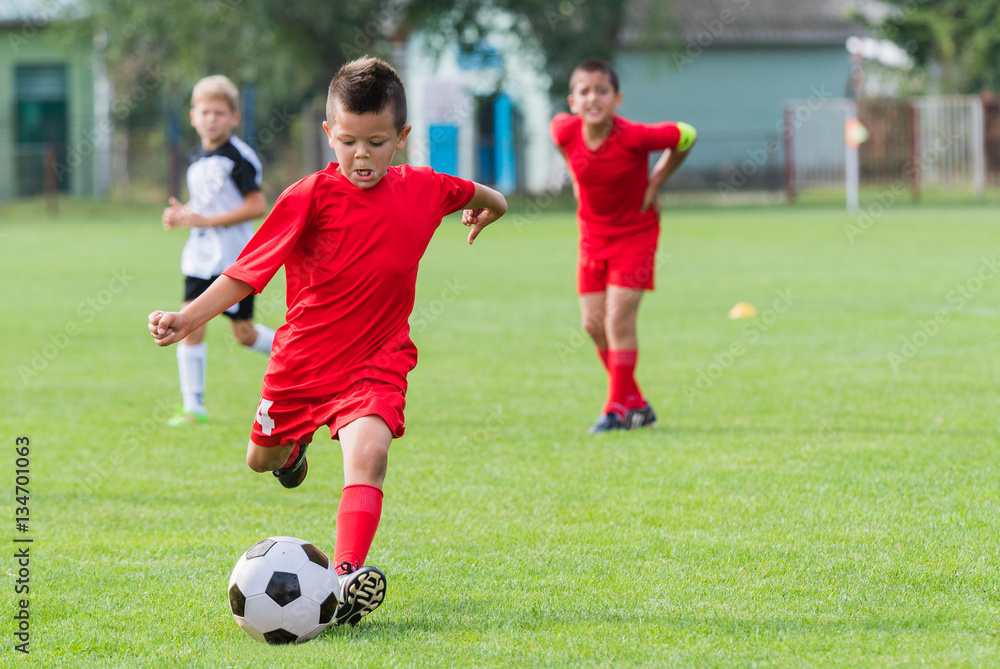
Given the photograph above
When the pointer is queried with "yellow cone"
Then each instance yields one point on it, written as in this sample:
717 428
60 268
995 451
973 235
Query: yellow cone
742 310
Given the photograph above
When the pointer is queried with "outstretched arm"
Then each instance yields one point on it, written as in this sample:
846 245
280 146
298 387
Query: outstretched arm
486 206
667 164
171 326
179 215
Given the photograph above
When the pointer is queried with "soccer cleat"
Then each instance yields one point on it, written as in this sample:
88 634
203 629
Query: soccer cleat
294 474
182 418
607 423
362 590
636 418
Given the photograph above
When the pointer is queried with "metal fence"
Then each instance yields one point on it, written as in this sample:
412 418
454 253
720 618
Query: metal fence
949 149
728 162
927 142
950 142
136 163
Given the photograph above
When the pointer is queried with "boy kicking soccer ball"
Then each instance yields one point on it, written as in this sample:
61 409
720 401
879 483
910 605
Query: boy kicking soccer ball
619 218
350 239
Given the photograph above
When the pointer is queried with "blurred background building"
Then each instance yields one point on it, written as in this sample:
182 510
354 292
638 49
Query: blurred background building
767 83
54 105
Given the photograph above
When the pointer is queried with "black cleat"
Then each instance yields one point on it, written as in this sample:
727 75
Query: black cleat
293 475
361 592
636 418
607 423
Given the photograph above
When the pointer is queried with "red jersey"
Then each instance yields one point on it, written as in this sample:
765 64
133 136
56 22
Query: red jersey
350 257
613 179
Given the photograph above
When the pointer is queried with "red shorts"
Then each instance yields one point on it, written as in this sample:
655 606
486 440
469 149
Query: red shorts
281 422
628 261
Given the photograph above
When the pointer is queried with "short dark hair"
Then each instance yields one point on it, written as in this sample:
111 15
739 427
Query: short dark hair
367 86
595 65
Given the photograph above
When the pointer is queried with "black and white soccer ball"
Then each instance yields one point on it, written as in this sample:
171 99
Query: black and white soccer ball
283 590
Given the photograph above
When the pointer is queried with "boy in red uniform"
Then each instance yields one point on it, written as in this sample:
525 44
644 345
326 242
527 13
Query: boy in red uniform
618 214
350 238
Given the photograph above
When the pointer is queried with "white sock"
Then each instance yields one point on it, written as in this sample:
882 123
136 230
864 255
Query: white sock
191 365
265 337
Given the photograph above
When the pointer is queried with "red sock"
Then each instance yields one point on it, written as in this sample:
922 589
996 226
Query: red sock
294 453
623 391
602 353
357 519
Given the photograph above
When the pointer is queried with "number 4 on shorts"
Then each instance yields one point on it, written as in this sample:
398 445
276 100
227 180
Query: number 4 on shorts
266 424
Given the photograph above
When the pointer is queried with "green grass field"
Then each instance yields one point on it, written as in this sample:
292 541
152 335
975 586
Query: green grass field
821 489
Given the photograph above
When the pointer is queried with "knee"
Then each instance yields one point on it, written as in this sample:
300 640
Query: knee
617 330
372 459
244 333
593 327
619 326
262 459
258 465
378 459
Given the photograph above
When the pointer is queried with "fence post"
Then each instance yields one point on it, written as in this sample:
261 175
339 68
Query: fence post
788 133
51 179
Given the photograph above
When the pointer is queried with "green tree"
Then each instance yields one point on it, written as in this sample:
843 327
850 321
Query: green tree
564 32
956 42
288 49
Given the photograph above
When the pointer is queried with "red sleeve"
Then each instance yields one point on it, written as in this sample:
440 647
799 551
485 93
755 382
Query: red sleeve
655 136
276 238
559 128
454 193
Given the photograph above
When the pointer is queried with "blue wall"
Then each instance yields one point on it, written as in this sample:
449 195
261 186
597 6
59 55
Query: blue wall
444 148
735 97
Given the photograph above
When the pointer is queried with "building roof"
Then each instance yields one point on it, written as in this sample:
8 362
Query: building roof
747 22
37 12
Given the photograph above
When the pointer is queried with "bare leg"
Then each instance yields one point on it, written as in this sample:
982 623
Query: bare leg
593 315
365 444
244 332
622 316
267 459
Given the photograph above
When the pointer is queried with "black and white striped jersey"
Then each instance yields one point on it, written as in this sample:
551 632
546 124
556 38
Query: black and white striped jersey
218 181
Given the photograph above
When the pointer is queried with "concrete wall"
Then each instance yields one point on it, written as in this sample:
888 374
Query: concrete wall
735 97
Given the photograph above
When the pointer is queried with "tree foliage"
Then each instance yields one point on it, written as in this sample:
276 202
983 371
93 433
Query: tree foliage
290 48
565 32
287 49
956 41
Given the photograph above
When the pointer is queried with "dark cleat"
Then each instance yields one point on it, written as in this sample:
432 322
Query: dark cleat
636 418
361 592
607 423
294 474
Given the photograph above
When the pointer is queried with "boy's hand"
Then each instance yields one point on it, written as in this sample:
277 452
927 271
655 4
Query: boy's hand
178 215
478 219
167 327
651 199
